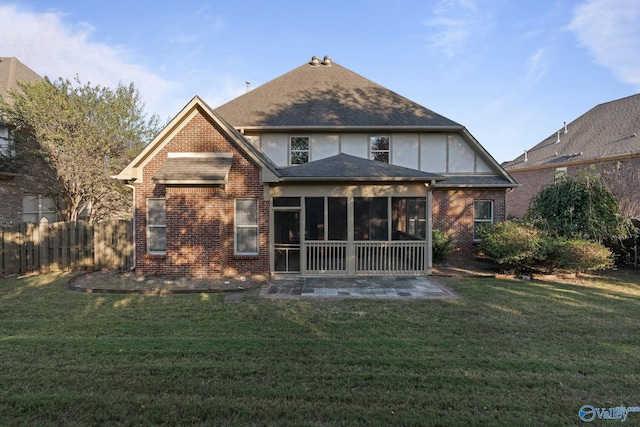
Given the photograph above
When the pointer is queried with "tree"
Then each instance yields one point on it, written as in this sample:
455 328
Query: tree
579 207
84 134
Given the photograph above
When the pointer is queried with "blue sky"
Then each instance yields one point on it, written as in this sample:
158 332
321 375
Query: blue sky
511 71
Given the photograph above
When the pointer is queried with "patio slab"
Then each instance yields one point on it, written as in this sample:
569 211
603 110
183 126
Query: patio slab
375 287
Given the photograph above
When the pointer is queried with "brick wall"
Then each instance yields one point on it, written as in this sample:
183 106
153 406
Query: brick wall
618 173
453 213
200 227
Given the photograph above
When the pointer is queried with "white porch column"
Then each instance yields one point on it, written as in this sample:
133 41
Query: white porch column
351 247
429 213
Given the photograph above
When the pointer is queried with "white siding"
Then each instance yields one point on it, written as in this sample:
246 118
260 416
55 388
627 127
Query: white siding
275 146
461 156
404 150
356 144
433 152
323 145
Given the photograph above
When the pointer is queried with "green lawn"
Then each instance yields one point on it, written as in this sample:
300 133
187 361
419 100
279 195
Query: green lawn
506 353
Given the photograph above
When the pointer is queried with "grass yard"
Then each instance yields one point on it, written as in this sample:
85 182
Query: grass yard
505 353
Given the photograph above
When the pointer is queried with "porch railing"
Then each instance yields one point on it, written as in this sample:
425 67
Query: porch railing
369 258
326 257
402 257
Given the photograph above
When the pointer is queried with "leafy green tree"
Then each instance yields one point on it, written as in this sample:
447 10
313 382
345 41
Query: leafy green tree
579 207
83 134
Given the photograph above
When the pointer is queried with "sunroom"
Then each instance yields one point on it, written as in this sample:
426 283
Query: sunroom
350 216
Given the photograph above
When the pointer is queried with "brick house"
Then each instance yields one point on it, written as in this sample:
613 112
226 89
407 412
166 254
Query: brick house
319 171
605 137
22 182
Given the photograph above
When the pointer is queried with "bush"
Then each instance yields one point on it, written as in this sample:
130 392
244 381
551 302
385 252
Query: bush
578 255
441 244
513 243
520 246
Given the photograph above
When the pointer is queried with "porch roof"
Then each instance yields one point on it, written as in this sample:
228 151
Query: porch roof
344 167
194 168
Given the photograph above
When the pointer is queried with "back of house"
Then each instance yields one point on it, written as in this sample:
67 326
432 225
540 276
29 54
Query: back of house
319 171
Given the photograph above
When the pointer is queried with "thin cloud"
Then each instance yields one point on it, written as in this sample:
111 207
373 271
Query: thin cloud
454 23
537 66
50 46
610 30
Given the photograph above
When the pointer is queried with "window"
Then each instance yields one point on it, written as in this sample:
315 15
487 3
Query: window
409 218
379 148
559 174
36 207
246 227
482 214
298 150
156 226
5 142
337 218
314 218
371 217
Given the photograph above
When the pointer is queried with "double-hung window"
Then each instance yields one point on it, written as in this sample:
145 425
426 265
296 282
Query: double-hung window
298 150
246 227
379 148
156 226
482 214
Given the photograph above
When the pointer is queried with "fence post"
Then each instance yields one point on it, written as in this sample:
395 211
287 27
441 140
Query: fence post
43 232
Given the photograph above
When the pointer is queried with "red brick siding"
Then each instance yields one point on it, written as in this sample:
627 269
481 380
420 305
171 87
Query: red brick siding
200 219
453 213
533 181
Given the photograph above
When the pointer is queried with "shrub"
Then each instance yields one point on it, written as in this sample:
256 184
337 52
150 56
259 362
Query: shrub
578 255
513 243
442 245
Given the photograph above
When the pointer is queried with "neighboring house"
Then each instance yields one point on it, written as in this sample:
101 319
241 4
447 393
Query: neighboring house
319 171
605 136
22 190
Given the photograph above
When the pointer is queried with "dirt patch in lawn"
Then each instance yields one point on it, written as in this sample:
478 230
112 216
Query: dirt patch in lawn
127 282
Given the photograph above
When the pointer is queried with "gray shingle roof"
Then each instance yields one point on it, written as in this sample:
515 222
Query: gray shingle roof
13 71
344 167
607 130
326 96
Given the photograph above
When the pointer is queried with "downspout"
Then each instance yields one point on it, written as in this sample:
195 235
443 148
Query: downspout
133 224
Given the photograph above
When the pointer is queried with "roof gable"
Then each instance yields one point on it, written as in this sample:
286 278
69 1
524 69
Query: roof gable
13 71
608 130
325 94
344 167
133 170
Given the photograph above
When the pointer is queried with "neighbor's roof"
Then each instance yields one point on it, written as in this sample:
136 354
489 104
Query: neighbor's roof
344 167
324 94
608 130
13 71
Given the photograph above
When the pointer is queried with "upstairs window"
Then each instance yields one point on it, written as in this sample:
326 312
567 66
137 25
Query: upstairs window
559 174
37 207
6 146
298 150
379 148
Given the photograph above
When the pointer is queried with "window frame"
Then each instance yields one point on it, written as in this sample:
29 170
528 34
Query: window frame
559 174
41 212
156 226
481 221
372 152
237 226
298 151
7 148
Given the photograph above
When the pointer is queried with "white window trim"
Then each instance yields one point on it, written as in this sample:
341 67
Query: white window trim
483 221
236 226
149 226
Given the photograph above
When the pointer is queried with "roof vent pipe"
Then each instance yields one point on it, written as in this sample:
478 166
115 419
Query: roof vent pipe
558 138
327 61
526 159
315 61
565 127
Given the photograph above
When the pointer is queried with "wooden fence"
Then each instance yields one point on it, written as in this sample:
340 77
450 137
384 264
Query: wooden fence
65 246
